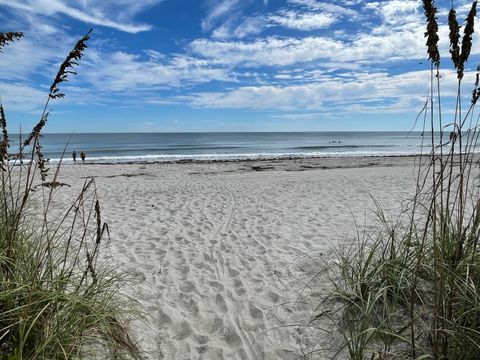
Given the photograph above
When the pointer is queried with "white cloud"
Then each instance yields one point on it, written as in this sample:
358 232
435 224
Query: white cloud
231 24
108 13
399 34
123 72
393 33
342 92
298 116
15 64
268 51
274 51
21 97
219 12
37 52
396 12
250 26
303 21
331 7
155 55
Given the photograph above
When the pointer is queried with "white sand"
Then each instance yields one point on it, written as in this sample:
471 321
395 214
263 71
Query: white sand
214 248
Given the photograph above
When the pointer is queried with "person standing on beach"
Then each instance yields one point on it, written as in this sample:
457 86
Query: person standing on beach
82 155
74 156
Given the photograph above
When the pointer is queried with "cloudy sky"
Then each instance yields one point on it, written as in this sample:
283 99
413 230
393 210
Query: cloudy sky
224 65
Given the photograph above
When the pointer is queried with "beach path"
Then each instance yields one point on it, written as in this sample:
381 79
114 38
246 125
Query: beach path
216 250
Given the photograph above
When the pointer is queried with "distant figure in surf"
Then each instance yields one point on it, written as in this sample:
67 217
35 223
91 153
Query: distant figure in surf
82 155
74 156
453 136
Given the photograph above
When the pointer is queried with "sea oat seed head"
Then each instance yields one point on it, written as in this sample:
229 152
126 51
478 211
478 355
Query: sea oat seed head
467 39
454 37
36 130
432 31
8 37
72 59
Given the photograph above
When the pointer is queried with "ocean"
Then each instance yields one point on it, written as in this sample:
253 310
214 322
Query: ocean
158 147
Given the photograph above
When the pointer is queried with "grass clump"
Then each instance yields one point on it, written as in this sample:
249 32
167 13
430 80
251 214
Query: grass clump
56 301
411 290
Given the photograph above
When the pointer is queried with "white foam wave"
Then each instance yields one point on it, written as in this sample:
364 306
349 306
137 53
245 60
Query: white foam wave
226 157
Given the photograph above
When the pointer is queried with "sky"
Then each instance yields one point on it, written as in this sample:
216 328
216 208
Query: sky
225 65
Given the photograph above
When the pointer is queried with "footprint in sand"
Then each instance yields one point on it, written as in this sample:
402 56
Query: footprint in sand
164 321
210 353
182 330
183 270
216 285
188 287
207 258
231 337
192 307
214 325
232 272
201 339
220 301
239 289
204 266
138 276
273 296
255 312
202 349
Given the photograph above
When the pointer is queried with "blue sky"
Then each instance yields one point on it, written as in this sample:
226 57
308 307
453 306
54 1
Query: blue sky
224 65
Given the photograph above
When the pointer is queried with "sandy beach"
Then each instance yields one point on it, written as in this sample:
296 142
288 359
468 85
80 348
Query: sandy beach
218 251
239 180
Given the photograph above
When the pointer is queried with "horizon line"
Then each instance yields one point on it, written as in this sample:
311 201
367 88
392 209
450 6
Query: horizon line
227 132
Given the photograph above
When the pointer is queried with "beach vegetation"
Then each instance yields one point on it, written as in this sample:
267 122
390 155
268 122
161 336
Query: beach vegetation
58 299
410 288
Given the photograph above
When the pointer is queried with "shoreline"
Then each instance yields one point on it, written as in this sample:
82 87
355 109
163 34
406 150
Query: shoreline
239 160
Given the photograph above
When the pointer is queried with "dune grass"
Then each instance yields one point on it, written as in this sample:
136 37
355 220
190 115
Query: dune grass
411 289
56 301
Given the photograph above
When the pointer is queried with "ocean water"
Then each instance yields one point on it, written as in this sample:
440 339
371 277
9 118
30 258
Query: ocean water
157 147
